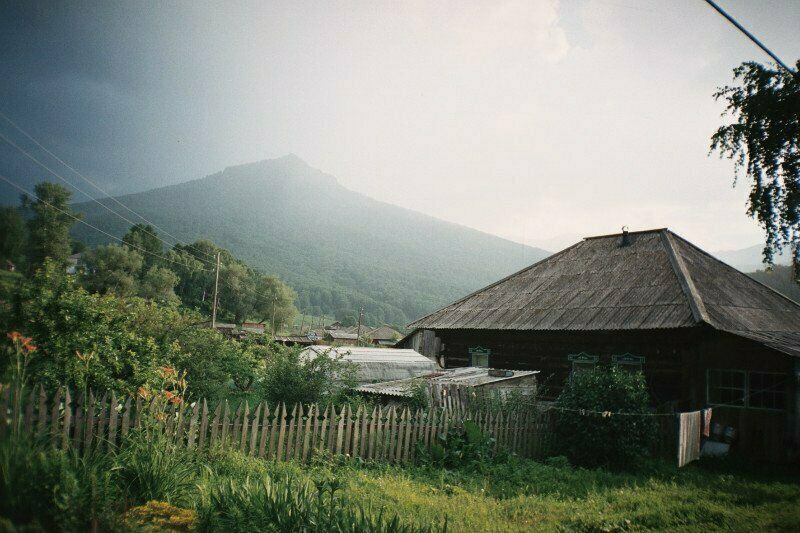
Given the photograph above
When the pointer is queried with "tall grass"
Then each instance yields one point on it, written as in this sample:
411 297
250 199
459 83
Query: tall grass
285 504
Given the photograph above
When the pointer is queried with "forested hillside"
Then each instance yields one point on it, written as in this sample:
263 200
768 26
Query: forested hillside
337 248
780 279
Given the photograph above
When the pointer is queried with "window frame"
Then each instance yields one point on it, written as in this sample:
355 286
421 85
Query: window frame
629 362
582 358
748 393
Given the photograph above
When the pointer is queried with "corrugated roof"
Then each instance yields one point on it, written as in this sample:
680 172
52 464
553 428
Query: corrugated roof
659 280
338 334
378 364
467 376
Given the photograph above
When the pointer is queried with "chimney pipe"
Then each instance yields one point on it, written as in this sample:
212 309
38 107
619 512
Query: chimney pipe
626 238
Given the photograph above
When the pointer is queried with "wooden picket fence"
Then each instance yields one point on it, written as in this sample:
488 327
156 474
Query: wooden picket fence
274 432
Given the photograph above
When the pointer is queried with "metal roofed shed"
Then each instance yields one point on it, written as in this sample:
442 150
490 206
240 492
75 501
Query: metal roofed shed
486 379
377 364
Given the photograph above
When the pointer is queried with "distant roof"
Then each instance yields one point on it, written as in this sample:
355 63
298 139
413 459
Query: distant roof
339 334
297 339
378 364
467 376
659 280
384 333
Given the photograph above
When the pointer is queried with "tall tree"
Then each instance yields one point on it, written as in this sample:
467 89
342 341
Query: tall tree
12 234
764 140
144 239
111 269
48 230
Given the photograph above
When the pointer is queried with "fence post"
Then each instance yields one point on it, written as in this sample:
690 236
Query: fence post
113 416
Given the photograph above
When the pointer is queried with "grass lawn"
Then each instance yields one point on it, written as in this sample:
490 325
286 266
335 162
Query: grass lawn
553 496
44 489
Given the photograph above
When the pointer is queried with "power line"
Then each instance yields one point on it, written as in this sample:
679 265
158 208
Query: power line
62 178
78 219
138 248
752 37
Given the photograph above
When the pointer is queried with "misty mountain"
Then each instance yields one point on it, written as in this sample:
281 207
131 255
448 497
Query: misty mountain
749 259
337 248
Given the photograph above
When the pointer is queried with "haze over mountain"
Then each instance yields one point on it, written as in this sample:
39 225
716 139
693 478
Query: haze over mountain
337 248
750 259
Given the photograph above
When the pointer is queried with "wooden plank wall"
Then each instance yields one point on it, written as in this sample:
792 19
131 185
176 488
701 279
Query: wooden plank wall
271 431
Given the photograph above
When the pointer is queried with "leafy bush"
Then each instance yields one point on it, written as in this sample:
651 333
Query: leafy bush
460 447
289 378
602 436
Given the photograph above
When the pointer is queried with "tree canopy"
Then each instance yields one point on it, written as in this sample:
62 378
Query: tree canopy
48 229
764 140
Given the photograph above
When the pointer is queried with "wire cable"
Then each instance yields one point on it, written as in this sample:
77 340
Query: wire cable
78 219
92 198
752 37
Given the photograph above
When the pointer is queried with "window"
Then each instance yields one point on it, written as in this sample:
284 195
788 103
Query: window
479 356
739 388
583 362
767 390
727 387
628 362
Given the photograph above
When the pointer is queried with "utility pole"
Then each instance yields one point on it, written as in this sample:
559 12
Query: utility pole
302 323
358 331
274 299
214 304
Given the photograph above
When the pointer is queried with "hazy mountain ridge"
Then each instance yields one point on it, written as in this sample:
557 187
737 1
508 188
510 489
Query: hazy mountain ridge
336 247
749 259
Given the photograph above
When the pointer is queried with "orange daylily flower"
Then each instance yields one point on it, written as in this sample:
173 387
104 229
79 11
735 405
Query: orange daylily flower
144 393
14 336
28 347
176 400
167 371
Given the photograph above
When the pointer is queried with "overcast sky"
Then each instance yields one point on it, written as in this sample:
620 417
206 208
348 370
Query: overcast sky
541 121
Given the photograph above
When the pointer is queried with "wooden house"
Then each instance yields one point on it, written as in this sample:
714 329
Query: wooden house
703 333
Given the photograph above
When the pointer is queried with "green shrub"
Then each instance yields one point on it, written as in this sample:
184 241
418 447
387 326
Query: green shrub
603 436
460 447
289 378
58 490
284 504
152 467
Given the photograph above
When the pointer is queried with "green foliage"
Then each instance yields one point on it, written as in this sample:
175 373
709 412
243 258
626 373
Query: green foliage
58 490
130 338
48 229
144 239
12 235
152 467
764 140
597 439
291 379
158 284
461 447
284 504
111 269
215 364
243 291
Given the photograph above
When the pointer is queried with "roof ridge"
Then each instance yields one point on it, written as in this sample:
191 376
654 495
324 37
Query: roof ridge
685 280
498 282
654 230
739 272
